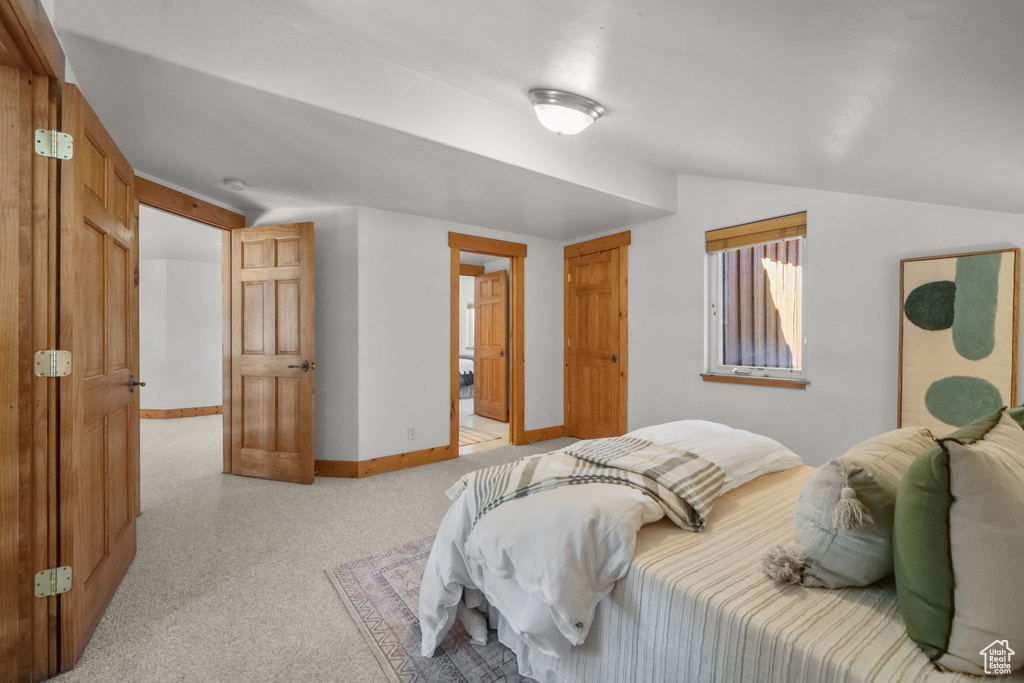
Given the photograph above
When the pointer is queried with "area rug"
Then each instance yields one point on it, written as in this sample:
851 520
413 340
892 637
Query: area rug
469 436
381 592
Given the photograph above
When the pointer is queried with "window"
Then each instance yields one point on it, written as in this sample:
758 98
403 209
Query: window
755 299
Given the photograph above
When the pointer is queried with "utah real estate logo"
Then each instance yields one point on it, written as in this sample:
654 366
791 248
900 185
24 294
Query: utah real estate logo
997 657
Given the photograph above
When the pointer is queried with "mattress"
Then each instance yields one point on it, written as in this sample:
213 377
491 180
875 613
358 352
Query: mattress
697 607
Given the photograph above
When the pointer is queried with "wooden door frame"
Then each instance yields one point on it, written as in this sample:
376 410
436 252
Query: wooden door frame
28 637
620 241
515 252
169 200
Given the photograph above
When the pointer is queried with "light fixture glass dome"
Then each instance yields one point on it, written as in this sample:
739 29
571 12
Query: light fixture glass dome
563 112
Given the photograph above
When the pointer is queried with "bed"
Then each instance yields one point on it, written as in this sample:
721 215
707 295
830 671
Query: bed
465 376
691 606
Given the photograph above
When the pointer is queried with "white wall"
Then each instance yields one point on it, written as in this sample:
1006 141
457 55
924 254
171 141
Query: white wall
854 246
404 328
466 296
337 325
180 333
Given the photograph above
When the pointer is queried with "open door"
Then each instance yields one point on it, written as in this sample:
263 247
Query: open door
99 403
490 354
273 360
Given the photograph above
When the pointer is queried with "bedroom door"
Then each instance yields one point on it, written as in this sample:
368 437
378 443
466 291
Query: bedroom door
99 400
596 337
273 359
490 351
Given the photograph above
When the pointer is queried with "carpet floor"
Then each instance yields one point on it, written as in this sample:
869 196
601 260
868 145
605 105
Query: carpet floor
228 583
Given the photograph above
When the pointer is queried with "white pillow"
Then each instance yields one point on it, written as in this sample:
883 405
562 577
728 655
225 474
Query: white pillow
742 455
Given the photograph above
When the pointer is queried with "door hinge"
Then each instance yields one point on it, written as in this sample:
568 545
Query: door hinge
52 363
53 581
568 277
53 143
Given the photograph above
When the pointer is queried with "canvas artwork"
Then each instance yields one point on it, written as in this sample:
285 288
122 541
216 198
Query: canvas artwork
958 338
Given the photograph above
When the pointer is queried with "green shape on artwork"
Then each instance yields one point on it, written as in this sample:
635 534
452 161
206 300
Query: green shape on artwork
958 400
930 306
974 309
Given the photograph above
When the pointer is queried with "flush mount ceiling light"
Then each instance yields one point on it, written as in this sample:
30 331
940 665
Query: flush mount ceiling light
564 112
234 184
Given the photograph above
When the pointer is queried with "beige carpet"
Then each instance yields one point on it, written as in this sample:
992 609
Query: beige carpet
229 582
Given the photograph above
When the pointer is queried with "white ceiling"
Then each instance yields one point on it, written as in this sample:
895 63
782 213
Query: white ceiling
918 100
164 236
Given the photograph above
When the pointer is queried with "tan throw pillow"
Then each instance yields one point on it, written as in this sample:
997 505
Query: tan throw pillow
843 518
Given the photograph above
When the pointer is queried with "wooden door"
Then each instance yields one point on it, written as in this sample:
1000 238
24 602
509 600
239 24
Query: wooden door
99 444
490 348
273 359
595 324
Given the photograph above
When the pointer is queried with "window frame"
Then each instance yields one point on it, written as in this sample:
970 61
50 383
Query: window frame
714 353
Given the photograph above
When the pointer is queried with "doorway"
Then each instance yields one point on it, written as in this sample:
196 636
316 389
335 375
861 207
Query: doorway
483 369
180 340
486 361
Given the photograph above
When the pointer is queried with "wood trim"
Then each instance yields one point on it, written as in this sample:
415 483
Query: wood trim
467 269
28 452
517 366
178 203
756 232
174 413
544 434
387 463
619 239
28 41
226 349
1015 360
485 245
516 253
759 381
623 339
348 469
453 358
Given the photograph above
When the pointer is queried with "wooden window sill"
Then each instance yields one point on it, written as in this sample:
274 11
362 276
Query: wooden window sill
761 381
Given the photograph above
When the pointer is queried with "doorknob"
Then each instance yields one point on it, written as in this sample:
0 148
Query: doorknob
304 366
613 358
132 384
501 353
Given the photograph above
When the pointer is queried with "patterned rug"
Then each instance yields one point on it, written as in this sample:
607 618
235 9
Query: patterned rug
381 592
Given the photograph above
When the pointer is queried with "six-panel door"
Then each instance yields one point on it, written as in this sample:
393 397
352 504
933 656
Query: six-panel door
99 444
273 358
490 352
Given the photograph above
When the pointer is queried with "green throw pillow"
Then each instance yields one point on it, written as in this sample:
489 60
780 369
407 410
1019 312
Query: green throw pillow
957 536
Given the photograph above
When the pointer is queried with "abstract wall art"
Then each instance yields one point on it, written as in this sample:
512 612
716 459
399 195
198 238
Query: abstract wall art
959 322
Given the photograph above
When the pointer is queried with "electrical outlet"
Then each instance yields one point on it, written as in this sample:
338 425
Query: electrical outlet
410 433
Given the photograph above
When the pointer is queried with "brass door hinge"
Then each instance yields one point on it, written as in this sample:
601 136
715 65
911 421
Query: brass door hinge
52 363
53 143
53 581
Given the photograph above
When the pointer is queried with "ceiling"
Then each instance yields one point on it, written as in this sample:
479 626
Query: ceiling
917 100
165 236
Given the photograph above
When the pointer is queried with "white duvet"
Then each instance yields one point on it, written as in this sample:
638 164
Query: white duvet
546 560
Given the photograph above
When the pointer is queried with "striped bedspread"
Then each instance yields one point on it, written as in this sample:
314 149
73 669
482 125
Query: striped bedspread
696 607
683 484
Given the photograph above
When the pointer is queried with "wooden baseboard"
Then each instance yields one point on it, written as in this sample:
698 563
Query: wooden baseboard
172 413
535 435
388 463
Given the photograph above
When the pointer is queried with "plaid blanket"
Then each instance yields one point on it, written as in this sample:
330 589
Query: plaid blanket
683 484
